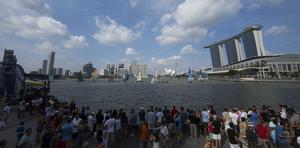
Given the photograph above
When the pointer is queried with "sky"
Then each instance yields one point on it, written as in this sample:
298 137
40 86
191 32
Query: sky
153 32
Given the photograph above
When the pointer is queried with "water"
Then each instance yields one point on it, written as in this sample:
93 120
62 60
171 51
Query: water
196 95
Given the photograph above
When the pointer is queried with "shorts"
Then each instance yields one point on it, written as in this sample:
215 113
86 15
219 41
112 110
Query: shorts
217 136
234 145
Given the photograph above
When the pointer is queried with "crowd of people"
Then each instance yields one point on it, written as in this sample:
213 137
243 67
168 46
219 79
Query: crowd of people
66 125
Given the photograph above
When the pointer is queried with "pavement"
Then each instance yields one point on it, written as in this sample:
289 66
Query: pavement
8 133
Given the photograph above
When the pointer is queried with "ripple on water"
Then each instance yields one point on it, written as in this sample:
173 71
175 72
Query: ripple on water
103 94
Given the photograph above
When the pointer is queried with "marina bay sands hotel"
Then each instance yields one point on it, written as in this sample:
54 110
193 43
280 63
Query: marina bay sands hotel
246 51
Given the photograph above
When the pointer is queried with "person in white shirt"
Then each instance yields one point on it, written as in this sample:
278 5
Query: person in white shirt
234 119
164 133
243 114
6 111
110 125
91 121
159 116
118 128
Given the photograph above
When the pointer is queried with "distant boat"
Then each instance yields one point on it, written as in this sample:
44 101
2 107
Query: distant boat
125 77
80 77
190 77
139 77
154 77
93 78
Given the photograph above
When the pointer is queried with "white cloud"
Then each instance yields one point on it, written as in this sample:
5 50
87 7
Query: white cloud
166 18
21 7
174 34
45 46
192 18
33 27
110 32
133 3
275 30
29 19
140 25
130 51
76 42
165 61
188 49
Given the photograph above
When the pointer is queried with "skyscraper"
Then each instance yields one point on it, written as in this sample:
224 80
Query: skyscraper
233 50
217 55
44 67
135 68
50 63
60 72
253 41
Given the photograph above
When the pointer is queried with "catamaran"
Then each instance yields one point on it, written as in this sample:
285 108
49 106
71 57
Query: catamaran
139 77
155 77
190 77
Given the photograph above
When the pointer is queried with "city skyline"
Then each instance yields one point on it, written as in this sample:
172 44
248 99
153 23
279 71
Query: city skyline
156 33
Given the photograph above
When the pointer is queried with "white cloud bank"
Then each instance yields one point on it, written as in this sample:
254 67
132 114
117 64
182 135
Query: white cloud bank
130 51
76 42
45 46
111 32
41 27
192 18
188 49
276 30
165 61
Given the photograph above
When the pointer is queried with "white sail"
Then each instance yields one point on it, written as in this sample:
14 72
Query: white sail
154 77
139 77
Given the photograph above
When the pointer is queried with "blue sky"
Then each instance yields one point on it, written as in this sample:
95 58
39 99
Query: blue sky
153 32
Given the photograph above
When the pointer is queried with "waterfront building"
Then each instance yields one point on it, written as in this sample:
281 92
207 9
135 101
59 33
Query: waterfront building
34 72
233 50
217 55
50 64
44 67
60 72
54 71
249 41
255 64
111 69
135 69
40 71
253 41
88 69
263 67
67 73
12 76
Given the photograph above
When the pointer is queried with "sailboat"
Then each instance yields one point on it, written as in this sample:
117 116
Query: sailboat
139 77
190 77
80 77
155 77
93 78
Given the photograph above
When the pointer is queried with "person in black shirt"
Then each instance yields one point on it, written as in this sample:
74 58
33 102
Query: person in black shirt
193 125
47 138
217 132
232 136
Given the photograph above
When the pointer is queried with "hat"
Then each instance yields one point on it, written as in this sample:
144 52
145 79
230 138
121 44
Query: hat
142 108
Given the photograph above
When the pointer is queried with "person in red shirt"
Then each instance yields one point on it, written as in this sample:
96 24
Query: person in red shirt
61 143
174 111
263 131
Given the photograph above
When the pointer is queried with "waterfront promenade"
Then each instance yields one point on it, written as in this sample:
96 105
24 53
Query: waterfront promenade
8 133
176 122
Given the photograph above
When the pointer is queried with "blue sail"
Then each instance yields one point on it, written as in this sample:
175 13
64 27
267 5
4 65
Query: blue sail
190 78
